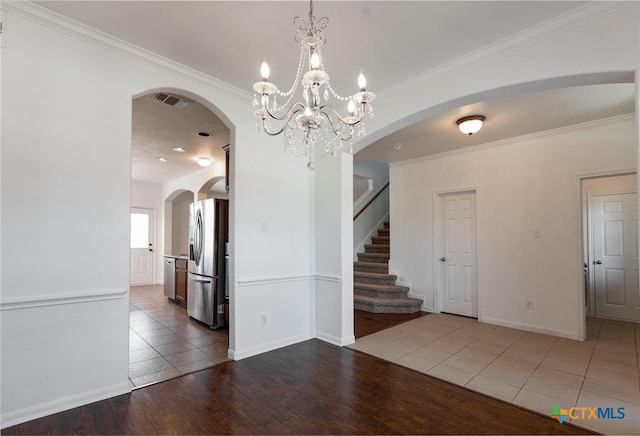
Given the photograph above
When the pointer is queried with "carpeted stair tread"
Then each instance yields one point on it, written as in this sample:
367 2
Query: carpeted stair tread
389 301
380 268
382 292
381 240
387 305
372 275
374 257
374 287
377 248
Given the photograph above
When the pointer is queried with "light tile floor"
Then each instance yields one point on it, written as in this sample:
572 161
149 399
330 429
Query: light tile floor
164 343
532 370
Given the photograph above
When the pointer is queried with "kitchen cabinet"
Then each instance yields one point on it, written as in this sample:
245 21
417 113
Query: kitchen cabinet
181 282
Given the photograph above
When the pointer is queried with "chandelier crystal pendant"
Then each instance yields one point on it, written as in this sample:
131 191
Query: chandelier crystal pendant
312 128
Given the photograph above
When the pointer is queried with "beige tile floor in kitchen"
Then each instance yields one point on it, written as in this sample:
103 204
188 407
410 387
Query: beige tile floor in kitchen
164 343
532 370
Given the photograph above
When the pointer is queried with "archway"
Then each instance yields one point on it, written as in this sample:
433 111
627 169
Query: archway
194 345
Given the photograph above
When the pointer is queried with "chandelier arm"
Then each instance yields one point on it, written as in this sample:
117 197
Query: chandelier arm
342 120
287 116
273 133
334 129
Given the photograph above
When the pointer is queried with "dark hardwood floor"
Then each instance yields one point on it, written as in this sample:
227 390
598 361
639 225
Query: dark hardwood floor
365 323
308 388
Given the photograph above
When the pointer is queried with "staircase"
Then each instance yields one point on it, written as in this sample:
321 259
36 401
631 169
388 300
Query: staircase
374 289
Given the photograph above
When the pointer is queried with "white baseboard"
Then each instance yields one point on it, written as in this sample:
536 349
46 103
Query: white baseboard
410 294
61 404
530 328
270 346
340 342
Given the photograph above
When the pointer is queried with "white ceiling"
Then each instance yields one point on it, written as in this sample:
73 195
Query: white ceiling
158 128
390 41
510 117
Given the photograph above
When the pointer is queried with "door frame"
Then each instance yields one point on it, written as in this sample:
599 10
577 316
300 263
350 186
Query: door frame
438 294
153 235
590 307
586 242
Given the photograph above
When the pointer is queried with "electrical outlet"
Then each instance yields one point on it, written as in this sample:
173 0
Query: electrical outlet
528 304
263 319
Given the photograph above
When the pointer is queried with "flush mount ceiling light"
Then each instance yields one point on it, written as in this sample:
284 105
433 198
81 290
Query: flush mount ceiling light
204 161
179 149
313 120
471 124
162 159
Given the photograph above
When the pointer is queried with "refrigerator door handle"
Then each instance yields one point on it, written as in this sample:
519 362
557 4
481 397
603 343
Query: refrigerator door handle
197 237
196 278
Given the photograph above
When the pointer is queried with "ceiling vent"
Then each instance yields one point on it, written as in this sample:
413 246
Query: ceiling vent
171 100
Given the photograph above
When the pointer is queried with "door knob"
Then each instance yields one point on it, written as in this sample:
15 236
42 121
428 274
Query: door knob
442 259
597 262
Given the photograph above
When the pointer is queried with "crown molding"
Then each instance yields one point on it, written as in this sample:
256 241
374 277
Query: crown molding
561 23
518 139
60 23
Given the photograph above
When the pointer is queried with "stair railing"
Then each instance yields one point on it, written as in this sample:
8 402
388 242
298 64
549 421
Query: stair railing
371 200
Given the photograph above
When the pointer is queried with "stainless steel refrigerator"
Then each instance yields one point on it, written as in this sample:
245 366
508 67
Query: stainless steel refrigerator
206 268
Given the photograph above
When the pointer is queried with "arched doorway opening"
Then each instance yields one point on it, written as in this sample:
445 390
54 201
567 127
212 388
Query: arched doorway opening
172 130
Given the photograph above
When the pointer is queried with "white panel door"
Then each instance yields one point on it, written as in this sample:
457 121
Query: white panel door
457 278
615 256
142 246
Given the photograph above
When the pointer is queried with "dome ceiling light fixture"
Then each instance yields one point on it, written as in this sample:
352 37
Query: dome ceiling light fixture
471 124
204 161
312 127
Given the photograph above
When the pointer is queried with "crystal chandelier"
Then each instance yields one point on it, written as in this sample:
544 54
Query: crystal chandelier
312 128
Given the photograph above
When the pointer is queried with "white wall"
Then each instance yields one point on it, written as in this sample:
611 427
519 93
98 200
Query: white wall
524 184
333 195
378 172
180 212
589 46
66 138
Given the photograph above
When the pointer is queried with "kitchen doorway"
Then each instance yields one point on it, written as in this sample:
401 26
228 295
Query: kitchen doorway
175 134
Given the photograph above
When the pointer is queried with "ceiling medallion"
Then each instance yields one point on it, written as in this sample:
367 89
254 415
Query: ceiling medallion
312 128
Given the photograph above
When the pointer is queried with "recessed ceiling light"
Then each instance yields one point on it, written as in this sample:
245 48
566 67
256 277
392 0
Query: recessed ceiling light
179 149
204 161
397 146
162 159
204 134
